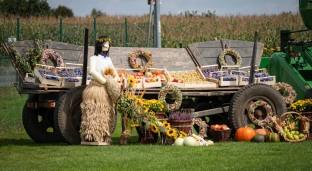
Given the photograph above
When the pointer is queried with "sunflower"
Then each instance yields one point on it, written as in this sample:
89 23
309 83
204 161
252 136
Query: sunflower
131 81
183 134
138 102
152 114
171 132
154 128
166 124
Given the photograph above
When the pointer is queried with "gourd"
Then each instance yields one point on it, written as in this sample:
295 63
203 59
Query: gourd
189 141
179 142
258 138
262 131
272 137
244 134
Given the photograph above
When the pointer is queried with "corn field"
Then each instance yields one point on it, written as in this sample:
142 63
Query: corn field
174 29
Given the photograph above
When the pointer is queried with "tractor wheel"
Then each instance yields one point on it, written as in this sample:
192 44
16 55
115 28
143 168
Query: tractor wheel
249 94
39 123
68 115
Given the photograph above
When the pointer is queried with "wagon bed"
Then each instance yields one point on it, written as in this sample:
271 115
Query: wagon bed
173 59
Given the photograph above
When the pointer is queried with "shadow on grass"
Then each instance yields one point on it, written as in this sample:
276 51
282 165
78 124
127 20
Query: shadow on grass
132 140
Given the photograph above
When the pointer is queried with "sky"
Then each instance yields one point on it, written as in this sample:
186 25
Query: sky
140 7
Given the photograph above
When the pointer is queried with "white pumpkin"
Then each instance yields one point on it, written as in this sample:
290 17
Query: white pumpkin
189 141
179 142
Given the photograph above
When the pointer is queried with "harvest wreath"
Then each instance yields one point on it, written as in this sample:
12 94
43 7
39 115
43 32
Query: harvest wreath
280 86
177 95
269 112
146 54
231 52
53 56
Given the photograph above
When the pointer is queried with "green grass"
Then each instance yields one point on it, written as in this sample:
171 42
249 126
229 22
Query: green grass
11 106
19 152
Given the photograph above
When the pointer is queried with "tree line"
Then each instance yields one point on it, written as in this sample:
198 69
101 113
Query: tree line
30 8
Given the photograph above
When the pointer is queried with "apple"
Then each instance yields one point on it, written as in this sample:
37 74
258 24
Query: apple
220 128
149 74
175 80
212 127
216 127
147 80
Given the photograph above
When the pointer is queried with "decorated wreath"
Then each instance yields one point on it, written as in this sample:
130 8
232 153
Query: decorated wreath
280 86
146 54
52 55
269 112
177 95
231 52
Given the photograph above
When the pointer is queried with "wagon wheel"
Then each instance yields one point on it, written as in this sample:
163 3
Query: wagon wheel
67 115
39 123
249 94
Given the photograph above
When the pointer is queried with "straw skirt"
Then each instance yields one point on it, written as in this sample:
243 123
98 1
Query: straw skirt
98 112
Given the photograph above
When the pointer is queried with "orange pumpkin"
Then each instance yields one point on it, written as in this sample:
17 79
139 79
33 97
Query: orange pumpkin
262 131
244 134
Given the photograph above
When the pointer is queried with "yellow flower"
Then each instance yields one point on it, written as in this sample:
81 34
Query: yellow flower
171 132
166 124
154 128
301 105
183 134
131 81
135 125
138 102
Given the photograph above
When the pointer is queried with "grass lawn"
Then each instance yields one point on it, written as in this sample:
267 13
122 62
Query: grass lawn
19 152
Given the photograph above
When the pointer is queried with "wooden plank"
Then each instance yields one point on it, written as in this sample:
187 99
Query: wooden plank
210 112
209 51
196 54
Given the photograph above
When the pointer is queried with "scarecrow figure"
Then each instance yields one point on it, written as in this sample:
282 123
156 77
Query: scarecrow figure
99 97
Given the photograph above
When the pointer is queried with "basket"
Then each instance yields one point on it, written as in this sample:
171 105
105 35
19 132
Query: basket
148 136
309 116
221 136
181 125
304 126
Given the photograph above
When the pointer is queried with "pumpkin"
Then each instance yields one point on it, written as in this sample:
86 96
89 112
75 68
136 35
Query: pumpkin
179 142
262 131
189 141
272 137
258 138
244 134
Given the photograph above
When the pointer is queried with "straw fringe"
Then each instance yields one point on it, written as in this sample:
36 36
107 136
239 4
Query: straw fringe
97 114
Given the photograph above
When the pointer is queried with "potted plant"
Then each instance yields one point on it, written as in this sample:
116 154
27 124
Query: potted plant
181 120
156 106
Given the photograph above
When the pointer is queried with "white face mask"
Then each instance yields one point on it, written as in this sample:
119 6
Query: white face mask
105 46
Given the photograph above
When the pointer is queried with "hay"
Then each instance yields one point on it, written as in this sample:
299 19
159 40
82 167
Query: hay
113 88
97 114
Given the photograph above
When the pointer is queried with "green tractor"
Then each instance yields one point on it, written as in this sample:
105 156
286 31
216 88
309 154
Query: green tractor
293 64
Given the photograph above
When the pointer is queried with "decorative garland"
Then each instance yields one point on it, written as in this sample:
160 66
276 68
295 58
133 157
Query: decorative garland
146 54
286 87
202 127
177 95
231 52
251 113
52 55
102 40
